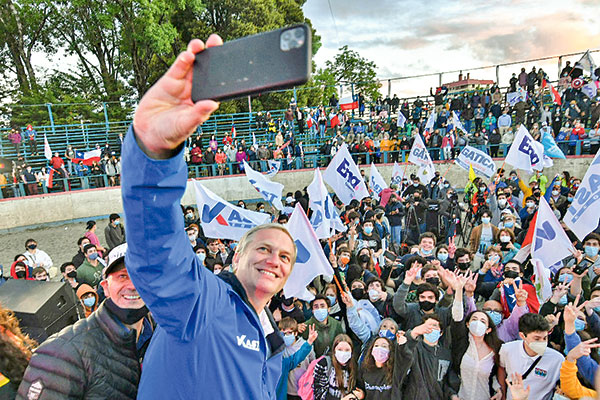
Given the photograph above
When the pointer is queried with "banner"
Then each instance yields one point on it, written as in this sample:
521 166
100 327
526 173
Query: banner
481 162
431 121
591 89
419 155
270 191
254 142
221 219
324 217
526 153
274 167
457 123
397 175
343 176
47 150
550 242
310 258
401 120
582 216
376 181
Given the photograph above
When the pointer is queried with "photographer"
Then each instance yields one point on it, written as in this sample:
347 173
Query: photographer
416 209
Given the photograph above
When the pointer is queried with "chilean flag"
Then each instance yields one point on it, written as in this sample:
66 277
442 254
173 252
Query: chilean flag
335 121
88 157
553 92
233 132
348 103
310 122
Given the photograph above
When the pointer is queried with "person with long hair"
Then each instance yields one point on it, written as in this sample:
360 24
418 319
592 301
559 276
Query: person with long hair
15 348
475 350
375 377
337 382
91 235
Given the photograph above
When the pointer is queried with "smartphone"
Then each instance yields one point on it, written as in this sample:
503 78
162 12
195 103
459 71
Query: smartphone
278 59
582 266
389 255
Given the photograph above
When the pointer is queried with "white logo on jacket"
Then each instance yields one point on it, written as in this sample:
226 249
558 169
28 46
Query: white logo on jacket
247 343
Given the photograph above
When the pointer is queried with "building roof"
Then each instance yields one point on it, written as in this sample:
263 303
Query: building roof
466 82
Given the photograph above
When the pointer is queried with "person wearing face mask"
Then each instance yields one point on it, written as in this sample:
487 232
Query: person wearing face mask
327 326
376 374
335 310
492 268
527 212
38 258
335 376
394 211
297 356
591 247
442 254
416 216
370 239
189 216
69 273
99 356
378 295
415 186
114 233
475 351
509 221
192 232
505 239
289 308
90 271
482 235
427 242
531 357
507 328
88 298
430 375
19 270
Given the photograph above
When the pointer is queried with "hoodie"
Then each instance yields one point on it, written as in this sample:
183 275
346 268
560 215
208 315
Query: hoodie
13 273
82 290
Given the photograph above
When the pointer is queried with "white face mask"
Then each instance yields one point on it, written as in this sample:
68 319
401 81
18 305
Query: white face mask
505 239
538 347
502 202
555 192
343 356
477 328
373 295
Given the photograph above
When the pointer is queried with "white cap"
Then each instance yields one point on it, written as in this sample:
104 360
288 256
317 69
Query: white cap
115 256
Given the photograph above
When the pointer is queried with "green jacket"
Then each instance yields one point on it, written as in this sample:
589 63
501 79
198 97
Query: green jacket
87 273
327 334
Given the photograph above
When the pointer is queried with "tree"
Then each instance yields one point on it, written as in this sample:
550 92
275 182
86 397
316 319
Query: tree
349 67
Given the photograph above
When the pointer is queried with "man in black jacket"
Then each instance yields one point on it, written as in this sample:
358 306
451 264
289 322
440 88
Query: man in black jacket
98 357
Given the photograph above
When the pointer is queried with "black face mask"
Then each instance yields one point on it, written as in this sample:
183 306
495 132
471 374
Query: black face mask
128 316
463 266
511 274
358 293
288 302
364 258
433 280
426 305
72 274
32 246
20 274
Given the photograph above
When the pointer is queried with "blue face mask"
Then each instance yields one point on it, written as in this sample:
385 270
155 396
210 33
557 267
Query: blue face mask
495 316
426 252
368 230
442 257
565 277
289 339
332 300
93 256
386 333
233 245
563 300
434 336
201 257
570 199
597 309
509 224
485 220
591 251
89 302
579 324
321 314
117 222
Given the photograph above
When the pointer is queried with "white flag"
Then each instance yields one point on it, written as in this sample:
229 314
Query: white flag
590 89
550 243
431 121
419 155
47 151
274 166
270 191
457 123
582 216
587 62
221 219
254 142
343 176
526 153
324 218
376 181
310 259
482 163
401 120
543 285
397 175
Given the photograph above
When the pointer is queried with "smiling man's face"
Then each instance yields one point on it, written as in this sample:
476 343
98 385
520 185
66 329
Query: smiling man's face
120 289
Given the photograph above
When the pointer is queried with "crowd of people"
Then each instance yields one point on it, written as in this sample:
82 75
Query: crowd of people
430 297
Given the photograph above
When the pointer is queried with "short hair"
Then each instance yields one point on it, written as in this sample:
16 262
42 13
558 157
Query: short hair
211 241
88 246
428 287
249 235
113 217
416 258
461 252
288 323
508 232
320 297
29 241
376 279
64 266
533 322
427 268
38 270
81 239
430 235
189 208
342 249
432 316
591 236
513 261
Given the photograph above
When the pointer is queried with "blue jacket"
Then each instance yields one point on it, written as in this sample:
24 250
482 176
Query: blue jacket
289 363
209 342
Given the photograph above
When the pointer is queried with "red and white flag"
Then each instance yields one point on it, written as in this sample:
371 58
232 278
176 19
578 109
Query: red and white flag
348 103
88 157
335 121
553 92
233 132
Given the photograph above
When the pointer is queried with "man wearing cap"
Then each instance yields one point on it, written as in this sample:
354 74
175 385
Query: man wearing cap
100 356
215 336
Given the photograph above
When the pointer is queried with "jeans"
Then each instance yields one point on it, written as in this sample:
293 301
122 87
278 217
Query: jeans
397 234
322 129
468 124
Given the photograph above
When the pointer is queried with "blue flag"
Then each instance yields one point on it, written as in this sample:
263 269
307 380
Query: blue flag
551 149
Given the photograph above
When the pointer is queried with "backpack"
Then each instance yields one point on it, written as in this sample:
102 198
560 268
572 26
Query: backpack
305 383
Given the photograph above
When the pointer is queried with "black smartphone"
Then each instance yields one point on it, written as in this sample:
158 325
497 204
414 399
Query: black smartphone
582 266
278 59
389 255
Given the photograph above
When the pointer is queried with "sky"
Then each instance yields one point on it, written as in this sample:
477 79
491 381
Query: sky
406 37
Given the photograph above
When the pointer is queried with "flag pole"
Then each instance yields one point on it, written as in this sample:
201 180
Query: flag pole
337 282
443 176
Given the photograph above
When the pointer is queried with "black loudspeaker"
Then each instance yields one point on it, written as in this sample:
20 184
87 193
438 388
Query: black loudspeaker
43 308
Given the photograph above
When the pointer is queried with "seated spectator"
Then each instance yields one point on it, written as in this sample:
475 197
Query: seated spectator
80 256
69 273
38 258
40 274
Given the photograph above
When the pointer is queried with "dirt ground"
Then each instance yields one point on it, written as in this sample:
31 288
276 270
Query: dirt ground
59 241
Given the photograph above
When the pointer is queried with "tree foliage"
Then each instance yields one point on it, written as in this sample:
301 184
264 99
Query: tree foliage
349 67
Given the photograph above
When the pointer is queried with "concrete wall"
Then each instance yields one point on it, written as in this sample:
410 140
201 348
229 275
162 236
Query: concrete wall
92 203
